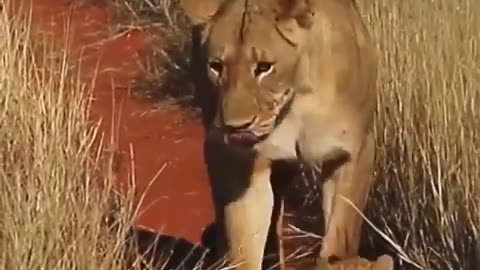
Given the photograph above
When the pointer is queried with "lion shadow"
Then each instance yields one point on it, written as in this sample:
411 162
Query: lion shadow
152 250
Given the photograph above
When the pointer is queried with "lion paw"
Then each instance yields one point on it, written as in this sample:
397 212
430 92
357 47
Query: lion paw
384 262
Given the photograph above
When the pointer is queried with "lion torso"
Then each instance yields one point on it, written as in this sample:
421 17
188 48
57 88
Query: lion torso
334 105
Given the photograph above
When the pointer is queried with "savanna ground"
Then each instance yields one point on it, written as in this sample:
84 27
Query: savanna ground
426 201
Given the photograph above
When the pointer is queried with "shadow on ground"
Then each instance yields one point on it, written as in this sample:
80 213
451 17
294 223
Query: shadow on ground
303 228
165 252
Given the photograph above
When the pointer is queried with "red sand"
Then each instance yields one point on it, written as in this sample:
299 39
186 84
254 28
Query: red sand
177 202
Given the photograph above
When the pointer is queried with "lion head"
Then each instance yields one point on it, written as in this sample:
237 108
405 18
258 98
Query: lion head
252 51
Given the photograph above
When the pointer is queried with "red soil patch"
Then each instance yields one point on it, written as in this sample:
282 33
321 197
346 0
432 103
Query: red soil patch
177 202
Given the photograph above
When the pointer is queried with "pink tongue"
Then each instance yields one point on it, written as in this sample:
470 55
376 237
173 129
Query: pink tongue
243 138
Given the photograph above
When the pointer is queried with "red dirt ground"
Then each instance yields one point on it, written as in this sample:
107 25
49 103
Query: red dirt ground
168 141
177 202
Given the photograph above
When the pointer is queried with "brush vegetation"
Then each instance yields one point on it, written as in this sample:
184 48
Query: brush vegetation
53 215
428 129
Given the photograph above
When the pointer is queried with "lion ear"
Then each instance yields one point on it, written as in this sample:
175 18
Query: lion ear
293 19
299 10
201 11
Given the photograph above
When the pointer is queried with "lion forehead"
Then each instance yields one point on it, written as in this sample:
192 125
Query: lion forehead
251 28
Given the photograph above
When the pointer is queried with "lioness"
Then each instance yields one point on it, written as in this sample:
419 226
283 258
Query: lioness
284 80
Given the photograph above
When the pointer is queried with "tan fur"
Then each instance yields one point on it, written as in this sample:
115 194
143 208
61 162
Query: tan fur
384 262
259 55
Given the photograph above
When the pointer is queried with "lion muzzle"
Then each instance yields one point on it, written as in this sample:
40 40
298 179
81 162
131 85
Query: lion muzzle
242 138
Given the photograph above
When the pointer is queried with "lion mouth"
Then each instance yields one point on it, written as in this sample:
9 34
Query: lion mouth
243 138
248 138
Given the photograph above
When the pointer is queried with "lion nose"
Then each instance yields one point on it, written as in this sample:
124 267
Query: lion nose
239 125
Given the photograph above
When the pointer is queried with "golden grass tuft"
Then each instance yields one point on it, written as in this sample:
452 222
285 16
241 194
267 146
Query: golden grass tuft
52 213
428 129
167 77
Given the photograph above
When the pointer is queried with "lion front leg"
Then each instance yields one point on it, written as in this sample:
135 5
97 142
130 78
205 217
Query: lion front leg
247 222
243 199
282 175
349 183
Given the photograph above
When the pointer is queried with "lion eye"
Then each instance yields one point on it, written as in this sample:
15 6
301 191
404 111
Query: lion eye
262 68
216 66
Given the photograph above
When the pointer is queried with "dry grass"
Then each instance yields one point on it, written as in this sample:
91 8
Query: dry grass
428 128
58 205
167 79
52 213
